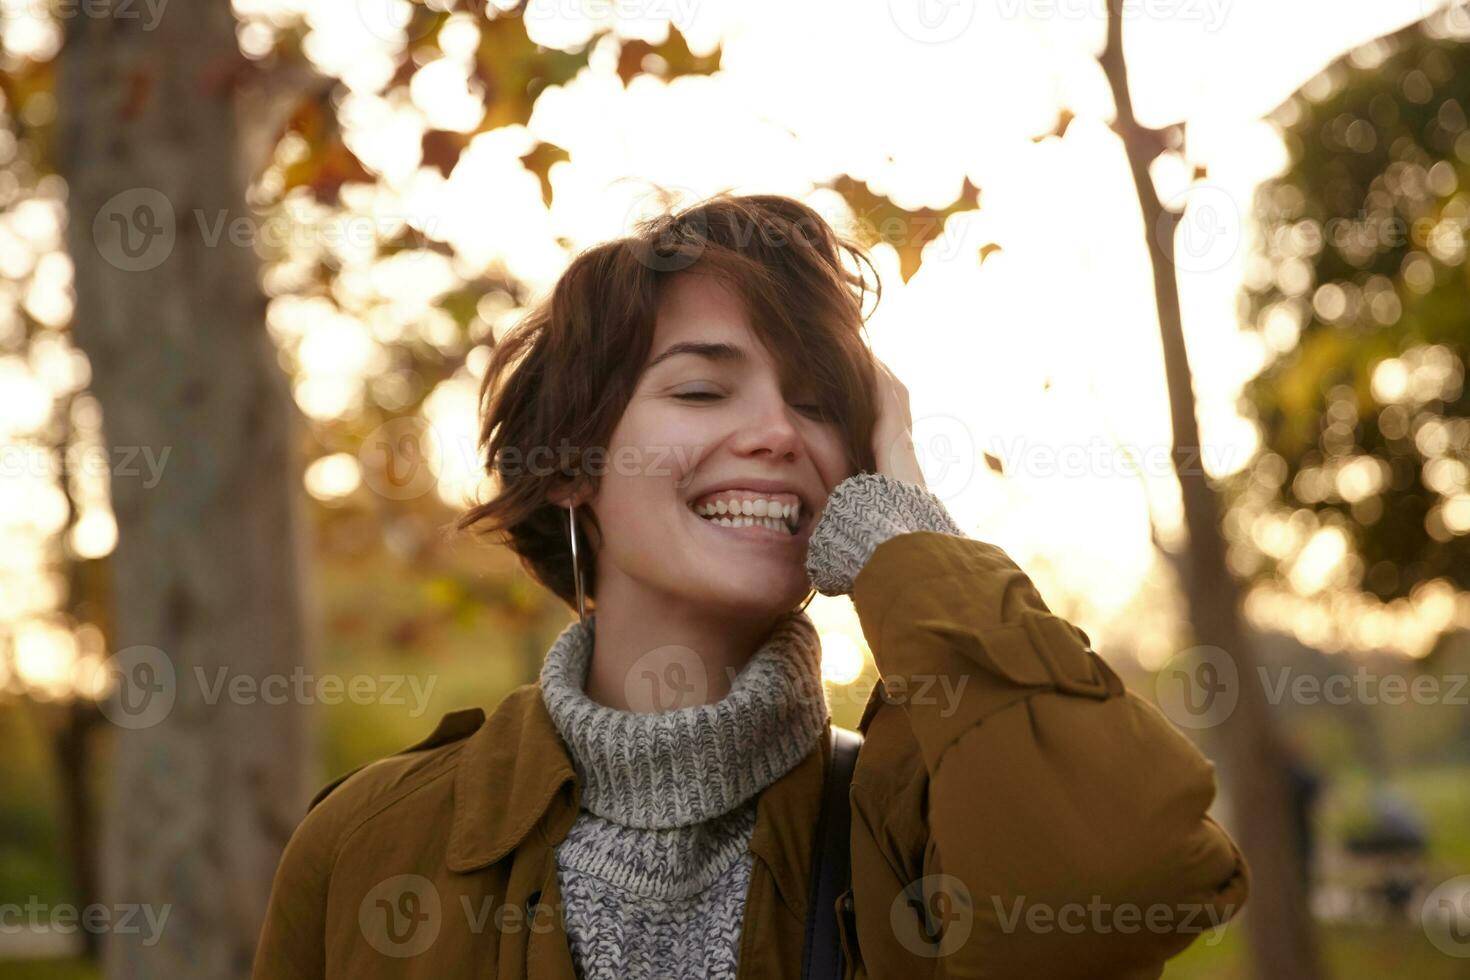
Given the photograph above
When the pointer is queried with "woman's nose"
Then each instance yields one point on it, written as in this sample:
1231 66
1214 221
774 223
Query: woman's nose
770 430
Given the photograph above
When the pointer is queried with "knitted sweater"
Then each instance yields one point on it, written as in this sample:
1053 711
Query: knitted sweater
654 872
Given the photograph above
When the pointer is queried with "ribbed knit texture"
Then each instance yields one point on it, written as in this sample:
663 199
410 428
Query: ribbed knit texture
676 768
861 513
655 870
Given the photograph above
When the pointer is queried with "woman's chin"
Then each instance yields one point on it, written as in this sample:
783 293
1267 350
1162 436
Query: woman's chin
761 599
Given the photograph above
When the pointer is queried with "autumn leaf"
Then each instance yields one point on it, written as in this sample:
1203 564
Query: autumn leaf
669 59
878 219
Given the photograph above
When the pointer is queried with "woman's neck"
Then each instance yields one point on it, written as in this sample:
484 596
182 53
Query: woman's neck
654 652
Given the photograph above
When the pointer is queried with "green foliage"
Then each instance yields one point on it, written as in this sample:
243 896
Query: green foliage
50 970
1363 252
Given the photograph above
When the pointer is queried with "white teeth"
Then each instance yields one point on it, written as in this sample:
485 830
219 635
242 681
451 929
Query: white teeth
750 520
748 513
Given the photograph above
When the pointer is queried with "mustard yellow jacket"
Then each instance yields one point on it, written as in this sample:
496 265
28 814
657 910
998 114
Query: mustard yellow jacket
1016 814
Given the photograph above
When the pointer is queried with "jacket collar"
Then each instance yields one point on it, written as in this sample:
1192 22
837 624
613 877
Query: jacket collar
515 772
786 825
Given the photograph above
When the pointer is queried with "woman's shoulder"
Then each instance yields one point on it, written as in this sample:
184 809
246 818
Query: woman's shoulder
370 780
413 785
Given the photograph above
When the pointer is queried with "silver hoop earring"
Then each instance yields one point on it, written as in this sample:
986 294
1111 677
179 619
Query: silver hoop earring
576 565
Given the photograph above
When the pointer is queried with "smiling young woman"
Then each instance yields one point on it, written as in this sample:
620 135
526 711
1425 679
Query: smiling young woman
686 438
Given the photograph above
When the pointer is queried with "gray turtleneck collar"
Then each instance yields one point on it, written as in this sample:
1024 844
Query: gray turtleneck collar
682 767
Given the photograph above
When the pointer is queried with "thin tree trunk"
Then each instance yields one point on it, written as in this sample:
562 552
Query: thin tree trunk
73 738
72 747
1277 921
209 565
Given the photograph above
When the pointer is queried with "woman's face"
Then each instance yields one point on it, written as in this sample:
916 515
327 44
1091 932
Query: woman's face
708 433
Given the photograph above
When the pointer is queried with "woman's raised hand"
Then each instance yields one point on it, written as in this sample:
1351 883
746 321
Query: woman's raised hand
893 433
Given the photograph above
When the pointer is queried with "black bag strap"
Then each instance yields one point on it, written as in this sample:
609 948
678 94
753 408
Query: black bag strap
821 957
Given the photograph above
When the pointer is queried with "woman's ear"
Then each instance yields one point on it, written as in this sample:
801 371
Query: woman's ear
566 493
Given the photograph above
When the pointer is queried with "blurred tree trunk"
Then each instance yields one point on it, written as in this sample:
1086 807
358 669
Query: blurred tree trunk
74 737
1277 921
209 566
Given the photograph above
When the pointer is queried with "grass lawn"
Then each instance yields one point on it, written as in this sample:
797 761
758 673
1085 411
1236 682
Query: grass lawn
1352 953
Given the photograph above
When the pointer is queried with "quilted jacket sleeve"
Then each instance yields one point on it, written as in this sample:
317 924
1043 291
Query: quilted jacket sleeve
1066 816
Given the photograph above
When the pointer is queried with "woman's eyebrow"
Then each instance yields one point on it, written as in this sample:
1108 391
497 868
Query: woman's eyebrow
713 351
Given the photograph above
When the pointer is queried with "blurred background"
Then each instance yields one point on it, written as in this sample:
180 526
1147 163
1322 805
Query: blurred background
1178 287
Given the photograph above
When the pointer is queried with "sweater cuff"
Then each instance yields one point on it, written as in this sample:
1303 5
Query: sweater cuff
861 513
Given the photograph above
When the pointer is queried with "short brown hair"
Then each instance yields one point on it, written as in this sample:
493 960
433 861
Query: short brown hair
563 376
